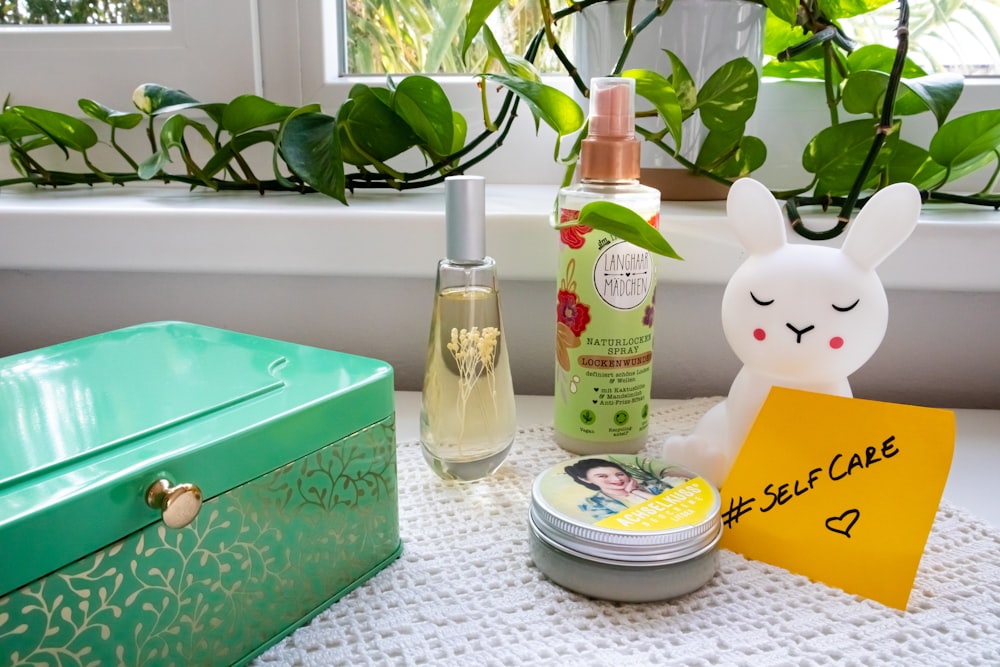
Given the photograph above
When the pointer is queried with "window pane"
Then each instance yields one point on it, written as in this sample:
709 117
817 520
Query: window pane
83 12
407 36
960 36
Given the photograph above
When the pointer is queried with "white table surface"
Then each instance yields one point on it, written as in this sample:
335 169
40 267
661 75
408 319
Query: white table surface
971 482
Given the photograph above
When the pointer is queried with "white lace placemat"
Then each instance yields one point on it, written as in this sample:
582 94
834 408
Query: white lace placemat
466 592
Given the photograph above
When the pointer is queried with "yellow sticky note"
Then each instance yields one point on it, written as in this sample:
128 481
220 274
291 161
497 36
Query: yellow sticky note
841 490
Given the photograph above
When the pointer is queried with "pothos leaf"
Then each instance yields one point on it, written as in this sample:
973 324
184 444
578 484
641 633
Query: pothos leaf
311 148
117 119
423 104
684 85
65 131
248 112
152 98
658 90
730 95
556 108
626 224
966 138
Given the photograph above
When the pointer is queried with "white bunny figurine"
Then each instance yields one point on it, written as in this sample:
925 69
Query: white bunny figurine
797 315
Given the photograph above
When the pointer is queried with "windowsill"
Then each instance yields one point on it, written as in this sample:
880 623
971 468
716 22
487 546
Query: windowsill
391 234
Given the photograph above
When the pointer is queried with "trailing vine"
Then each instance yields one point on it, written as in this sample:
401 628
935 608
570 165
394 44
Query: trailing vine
358 145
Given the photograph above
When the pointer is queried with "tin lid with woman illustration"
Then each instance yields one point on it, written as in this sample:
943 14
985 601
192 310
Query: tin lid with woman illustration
625 509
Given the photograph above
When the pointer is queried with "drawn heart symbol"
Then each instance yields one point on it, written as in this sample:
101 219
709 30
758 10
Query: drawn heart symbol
844 523
597 388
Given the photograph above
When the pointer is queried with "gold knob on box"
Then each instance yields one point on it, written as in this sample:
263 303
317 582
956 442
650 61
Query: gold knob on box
179 504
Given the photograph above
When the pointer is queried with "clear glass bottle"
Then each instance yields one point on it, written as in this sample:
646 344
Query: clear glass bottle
467 418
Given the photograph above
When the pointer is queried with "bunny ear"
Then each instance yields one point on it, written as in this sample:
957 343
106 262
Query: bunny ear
884 223
755 216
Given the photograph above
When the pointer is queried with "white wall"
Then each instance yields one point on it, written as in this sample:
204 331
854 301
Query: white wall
941 349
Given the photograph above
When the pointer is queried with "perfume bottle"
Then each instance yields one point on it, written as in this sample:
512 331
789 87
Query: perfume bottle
467 419
604 314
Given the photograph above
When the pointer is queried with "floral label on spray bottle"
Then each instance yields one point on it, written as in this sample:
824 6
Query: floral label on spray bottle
604 334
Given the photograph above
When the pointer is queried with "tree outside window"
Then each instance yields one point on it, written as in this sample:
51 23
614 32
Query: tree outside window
83 12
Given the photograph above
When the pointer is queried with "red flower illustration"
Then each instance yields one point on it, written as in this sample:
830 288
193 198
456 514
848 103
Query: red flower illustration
572 236
572 313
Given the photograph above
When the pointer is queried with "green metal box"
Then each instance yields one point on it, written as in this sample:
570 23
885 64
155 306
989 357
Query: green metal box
275 464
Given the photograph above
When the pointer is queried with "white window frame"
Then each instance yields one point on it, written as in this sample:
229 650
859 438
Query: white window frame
210 49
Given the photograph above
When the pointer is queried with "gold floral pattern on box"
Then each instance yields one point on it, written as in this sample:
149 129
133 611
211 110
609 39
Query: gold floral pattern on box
256 562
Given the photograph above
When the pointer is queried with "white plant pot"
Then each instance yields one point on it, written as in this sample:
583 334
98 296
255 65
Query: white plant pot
704 34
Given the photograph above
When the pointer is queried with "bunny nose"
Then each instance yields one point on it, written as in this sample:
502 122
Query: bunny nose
799 332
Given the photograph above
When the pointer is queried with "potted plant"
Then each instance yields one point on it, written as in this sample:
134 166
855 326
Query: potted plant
356 145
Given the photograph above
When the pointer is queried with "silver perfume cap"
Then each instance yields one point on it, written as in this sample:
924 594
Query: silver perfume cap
465 217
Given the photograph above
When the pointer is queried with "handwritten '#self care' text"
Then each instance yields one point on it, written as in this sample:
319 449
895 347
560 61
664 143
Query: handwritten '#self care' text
840 467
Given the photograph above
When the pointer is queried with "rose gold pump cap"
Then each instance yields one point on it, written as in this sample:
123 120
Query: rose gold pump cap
610 153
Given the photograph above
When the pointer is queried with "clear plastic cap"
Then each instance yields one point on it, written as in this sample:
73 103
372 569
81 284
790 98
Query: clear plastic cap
612 108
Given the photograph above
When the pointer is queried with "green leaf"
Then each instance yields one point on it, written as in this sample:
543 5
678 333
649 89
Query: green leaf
842 9
65 131
913 164
966 138
837 153
940 92
730 154
14 128
213 110
729 96
684 85
117 119
626 224
153 165
423 104
172 136
657 90
309 143
864 93
248 112
556 108
237 144
172 132
880 58
794 69
512 64
371 130
865 90
494 49
476 19
459 133
152 98
785 10
779 34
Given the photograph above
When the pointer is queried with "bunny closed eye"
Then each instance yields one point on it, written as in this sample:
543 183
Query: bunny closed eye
762 302
844 309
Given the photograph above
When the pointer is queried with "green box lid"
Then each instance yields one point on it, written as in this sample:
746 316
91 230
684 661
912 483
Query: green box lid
87 426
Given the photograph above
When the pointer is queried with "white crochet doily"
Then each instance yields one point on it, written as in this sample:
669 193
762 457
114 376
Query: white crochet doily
465 592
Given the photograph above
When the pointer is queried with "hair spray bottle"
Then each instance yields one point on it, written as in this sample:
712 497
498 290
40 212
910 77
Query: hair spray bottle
604 319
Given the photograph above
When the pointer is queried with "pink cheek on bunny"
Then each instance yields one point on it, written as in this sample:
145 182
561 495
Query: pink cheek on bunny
836 342
759 334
